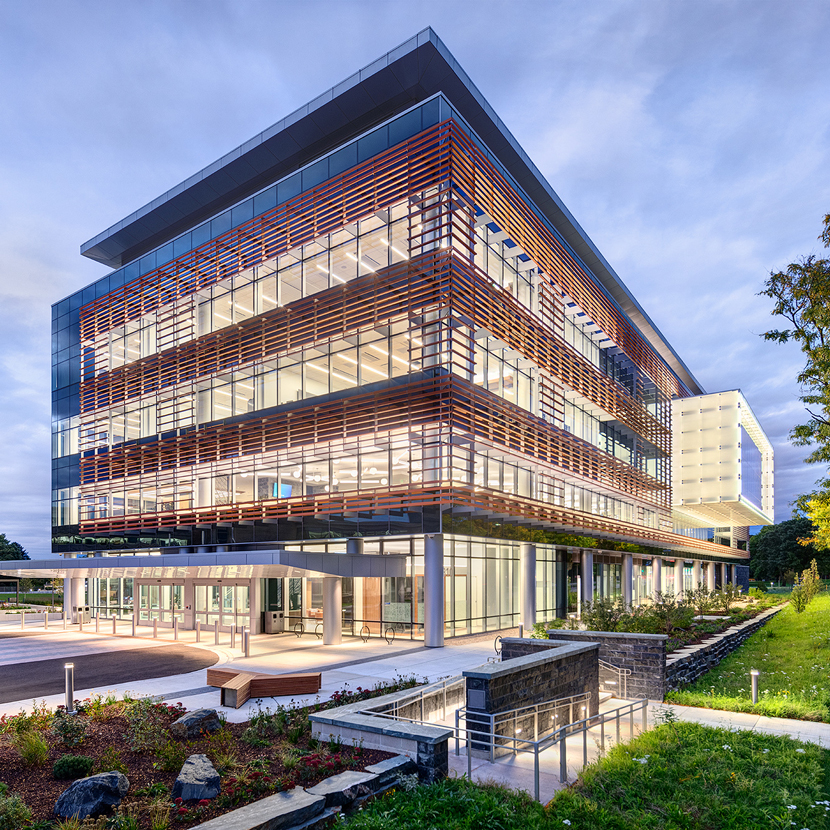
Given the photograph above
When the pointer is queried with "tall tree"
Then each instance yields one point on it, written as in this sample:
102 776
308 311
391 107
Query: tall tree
780 548
11 550
801 295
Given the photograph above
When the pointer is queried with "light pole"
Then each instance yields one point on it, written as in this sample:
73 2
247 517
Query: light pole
69 669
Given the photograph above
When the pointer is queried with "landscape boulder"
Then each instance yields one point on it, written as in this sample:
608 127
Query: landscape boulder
92 796
195 723
197 780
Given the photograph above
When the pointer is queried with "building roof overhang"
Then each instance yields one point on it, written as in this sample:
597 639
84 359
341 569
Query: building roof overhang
259 565
403 77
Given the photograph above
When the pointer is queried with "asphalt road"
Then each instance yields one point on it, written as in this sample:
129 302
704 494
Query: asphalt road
38 678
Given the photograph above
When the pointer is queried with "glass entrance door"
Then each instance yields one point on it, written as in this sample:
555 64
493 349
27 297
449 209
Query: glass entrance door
228 604
161 602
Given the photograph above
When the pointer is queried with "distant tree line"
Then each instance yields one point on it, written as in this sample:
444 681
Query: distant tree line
778 552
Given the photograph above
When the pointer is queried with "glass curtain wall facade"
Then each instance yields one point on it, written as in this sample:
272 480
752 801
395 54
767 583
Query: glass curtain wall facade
391 341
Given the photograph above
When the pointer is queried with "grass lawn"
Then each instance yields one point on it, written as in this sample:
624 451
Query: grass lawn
792 652
679 776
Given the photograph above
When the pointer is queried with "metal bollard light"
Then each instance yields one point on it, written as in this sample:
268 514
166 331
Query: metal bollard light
216 632
64 621
23 619
114 622
198 631
69 669
247 634
175 628
233 636
155 628
753 674
135 623
46 620
97 623
242 643
521 631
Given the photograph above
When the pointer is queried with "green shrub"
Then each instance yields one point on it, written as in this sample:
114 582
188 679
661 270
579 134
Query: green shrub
71 729
111 761
604 614
14 813
146 722
72 767
170 756
32 748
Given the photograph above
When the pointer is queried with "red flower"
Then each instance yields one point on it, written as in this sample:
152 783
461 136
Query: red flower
177 801
204 803
182 810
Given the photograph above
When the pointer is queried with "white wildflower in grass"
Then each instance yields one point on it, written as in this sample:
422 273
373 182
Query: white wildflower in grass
726 746
802 751
791 807
565 821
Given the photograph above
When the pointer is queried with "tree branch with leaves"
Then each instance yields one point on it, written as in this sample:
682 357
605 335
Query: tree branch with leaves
801 295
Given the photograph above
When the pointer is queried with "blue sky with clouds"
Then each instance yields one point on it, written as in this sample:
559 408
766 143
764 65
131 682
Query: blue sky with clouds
691 140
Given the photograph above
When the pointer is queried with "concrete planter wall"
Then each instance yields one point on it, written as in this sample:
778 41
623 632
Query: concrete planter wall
425 744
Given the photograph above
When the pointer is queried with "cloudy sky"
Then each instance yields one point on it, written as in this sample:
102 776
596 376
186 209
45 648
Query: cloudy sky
690 139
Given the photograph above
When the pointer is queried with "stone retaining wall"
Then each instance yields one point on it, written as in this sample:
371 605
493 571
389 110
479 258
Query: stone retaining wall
644 655
687 664
540 676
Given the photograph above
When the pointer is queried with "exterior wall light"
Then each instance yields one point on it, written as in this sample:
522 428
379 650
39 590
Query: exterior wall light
753 674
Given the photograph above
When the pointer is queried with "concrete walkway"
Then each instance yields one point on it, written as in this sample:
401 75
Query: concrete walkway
349 665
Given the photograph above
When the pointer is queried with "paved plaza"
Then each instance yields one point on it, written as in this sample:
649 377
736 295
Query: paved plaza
31 660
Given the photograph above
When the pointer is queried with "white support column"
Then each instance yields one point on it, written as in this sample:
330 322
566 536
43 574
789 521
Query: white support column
76 598
627 578
724 573
678 577
434 590
527 580
332 610
710 576
697 574
656 576
67 599
255 602
587 575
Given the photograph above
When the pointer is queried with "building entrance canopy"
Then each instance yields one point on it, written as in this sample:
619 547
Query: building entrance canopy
229 565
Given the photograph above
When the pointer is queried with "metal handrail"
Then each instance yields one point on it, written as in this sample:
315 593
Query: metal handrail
622 677
433 689
559 735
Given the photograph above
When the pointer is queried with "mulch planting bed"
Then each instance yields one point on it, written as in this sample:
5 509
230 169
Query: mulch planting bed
255 759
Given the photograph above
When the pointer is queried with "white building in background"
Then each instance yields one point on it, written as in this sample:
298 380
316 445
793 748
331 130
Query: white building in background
722 468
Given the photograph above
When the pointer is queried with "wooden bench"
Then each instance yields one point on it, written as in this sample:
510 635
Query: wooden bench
237 687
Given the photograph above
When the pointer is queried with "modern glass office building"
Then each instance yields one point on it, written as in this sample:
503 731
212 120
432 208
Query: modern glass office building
367 370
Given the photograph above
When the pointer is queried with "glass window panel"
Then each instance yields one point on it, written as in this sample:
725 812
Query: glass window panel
290 384
291 280
344 370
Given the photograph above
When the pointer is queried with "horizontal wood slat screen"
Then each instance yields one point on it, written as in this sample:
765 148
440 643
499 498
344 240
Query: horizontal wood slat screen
460 497
432 280
468 409
413 165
